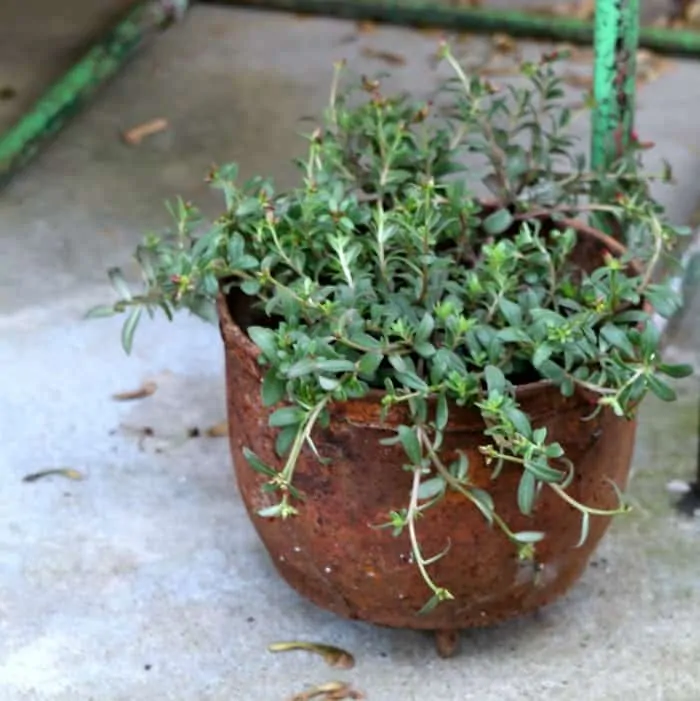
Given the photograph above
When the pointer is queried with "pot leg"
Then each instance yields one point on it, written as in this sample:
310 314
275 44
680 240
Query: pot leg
446 642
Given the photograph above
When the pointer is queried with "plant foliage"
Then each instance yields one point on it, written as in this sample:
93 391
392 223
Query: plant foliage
383 269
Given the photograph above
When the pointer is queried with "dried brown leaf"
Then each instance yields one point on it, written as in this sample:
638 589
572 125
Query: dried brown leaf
330 691
388 57
503 43
219 430
137 134
578 80
366 26
146 390
66 472
333 656
584 9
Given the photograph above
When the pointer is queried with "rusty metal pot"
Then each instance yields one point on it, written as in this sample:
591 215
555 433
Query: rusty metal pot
333 554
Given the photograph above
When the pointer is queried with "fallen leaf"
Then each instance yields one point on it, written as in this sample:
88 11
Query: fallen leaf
136 135
146 390
584 9
66 472
503 43
333 656
366 26
219 430
387 56
330 691
492 69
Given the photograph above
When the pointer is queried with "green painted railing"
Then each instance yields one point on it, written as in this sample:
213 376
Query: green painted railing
615 34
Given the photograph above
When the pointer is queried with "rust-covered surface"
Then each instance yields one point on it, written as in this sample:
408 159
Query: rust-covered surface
333 554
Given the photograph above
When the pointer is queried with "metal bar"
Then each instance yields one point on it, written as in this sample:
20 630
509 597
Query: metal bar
614 89
431 14
614 79
73 90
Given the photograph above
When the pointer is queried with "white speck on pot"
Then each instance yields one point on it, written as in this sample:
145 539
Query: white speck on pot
327 570
282 558
297 549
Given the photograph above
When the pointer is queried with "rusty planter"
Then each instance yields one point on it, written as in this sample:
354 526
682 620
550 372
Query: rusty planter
333 554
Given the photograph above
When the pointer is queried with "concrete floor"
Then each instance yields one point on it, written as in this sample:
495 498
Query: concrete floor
145 581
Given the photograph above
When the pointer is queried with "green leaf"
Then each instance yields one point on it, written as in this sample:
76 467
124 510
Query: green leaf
424 349
484 502
116 277
541 354
368 364
101 311
585 524
305 366
528 536
429 605
271 511
246 262
459 468
498 222
676 371
236 247
541 471
554 450
250 287
425 328
257 464
520 421
441 412
526 492
513 336
495 379
412 381
665 301
511 311
328 384
431 488
273 388
398 363
551 371
660 389
265 340
365 340
129 328
287 416
335 365
411 444
617 338
284 440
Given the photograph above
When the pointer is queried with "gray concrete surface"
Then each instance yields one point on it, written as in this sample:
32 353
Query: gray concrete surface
145 581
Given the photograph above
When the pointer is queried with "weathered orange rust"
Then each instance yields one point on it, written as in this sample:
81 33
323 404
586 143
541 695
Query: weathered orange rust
333 554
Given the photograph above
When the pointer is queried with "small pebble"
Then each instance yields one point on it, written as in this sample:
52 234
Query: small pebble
678 487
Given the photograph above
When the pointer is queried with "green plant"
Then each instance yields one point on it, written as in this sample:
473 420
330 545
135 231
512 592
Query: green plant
384 270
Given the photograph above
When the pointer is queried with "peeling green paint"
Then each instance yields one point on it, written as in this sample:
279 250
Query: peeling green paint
72 91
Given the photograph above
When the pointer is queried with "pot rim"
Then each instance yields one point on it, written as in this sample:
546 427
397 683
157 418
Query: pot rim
234 336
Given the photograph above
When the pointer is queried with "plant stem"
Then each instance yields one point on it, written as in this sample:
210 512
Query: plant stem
413 512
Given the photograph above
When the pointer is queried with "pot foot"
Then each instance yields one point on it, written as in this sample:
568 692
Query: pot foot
446 642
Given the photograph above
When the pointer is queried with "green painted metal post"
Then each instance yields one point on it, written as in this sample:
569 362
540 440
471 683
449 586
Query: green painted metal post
73 90
614 84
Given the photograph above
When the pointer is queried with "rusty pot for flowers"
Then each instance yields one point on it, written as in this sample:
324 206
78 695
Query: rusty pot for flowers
333 552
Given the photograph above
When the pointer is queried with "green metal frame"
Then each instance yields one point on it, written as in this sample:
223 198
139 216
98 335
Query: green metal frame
72 91
616 35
